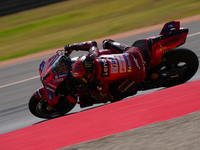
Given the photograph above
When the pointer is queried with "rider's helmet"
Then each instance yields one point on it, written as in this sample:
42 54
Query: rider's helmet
82 69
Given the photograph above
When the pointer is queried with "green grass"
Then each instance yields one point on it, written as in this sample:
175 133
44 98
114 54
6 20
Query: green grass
73 21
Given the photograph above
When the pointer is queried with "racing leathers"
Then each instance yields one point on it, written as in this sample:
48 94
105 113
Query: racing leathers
96 70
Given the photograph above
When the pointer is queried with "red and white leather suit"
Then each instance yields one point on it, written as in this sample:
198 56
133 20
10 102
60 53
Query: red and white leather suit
125 63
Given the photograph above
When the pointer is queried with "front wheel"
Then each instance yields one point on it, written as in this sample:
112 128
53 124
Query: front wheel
38 107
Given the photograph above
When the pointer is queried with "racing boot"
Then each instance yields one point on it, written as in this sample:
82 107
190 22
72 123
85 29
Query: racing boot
114 46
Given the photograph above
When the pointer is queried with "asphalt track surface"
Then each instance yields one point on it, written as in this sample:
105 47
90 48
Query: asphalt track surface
19 81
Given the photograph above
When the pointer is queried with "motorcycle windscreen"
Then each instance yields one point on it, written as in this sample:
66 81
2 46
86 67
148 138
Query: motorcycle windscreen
58 68
55 71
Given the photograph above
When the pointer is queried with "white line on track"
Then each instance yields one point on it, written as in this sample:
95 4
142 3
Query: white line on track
38 76
19 82
193 34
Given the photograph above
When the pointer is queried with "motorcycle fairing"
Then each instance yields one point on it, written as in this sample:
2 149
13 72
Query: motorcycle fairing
52 73
170 25
165 42
41 68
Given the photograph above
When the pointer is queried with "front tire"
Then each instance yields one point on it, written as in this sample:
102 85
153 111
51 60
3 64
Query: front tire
38 107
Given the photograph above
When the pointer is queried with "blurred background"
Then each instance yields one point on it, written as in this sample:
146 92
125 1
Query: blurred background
31 26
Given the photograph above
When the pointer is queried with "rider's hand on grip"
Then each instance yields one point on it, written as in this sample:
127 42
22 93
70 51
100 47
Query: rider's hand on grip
68 49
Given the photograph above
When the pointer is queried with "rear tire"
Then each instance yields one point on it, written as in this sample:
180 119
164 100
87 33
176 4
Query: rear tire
38 107
181 64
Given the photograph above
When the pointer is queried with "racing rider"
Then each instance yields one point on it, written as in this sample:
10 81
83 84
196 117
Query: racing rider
87 68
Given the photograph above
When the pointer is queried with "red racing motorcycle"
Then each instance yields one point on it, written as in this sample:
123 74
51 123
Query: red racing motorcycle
170 66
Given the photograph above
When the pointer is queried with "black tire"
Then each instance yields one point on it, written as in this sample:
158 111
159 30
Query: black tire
181 64
38 108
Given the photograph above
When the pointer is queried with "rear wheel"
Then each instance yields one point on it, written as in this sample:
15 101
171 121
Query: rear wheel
38 107
178 66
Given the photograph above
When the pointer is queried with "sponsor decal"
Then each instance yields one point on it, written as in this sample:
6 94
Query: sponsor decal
60 76
58 80
51 63
39 93
136 62
128 62
51 85
84 80
50 89
104 67
50 95
126 88
88 64
123 83
42 66
114 64
161 48
143 62
166 51
167 27
170 25
122 63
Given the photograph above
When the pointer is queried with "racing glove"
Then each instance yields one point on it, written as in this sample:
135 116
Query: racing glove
68 49
85 46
